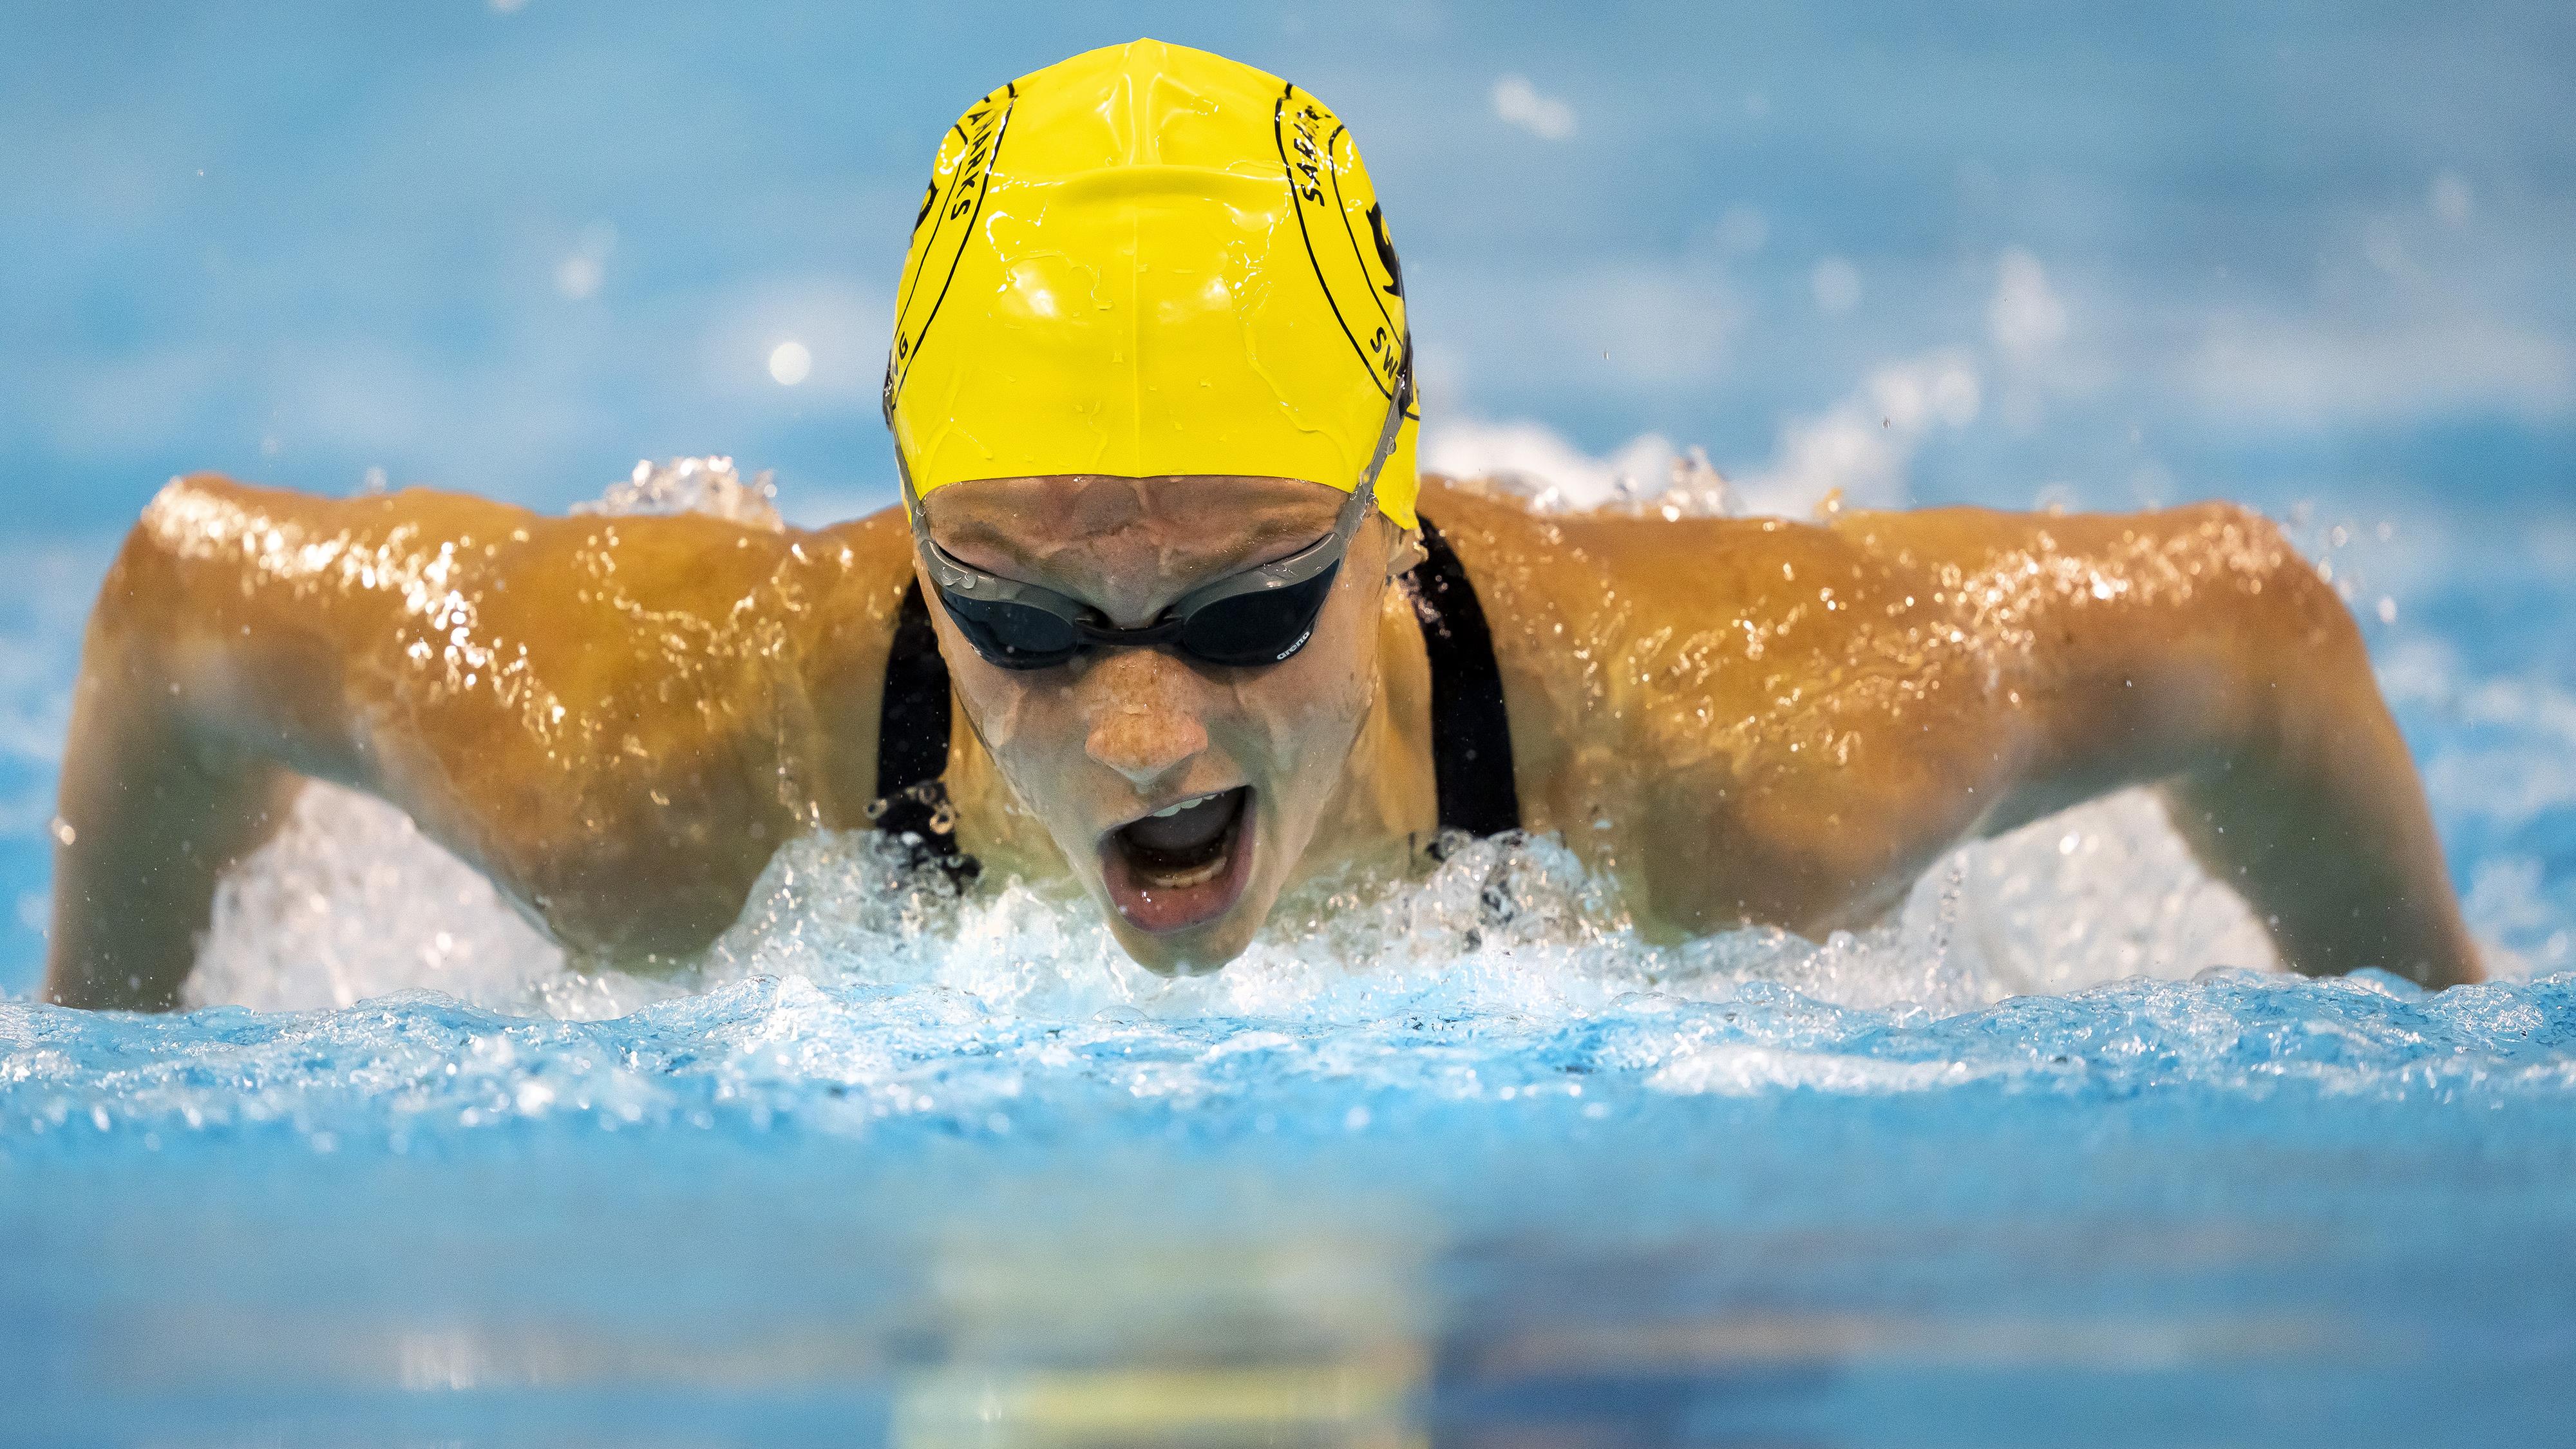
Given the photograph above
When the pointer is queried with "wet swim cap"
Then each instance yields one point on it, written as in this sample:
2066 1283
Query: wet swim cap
1149 260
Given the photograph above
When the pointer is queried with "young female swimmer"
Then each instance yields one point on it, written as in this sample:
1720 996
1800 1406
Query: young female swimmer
1165 549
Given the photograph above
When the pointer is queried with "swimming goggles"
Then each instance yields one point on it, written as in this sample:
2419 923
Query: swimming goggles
1259 616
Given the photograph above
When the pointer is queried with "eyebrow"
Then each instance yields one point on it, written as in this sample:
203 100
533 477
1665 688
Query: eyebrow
1266 529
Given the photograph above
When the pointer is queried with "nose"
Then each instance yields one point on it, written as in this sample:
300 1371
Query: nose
1145 744
1142 727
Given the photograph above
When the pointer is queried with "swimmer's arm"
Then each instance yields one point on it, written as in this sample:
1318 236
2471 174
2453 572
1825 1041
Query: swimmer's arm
213 675
2197 650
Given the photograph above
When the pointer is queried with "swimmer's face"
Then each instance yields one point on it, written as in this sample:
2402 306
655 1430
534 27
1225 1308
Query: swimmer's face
1239 762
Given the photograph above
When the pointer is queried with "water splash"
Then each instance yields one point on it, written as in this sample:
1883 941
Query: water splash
692 485
350 901
1307 1051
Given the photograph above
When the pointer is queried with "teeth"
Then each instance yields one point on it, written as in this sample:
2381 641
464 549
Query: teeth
1169 811
1190 877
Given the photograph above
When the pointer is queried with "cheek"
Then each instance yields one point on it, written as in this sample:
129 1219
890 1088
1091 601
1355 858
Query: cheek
997 712
1311 705
1017 717
1023 727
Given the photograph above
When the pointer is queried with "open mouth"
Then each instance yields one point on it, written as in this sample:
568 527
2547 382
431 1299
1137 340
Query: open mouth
1183 865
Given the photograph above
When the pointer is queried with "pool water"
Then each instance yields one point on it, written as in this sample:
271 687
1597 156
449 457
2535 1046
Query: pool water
2052 1158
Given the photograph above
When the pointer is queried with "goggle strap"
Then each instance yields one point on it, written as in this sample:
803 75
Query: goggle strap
1364 493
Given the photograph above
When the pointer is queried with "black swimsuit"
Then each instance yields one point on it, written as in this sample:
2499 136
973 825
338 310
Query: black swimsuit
1471 741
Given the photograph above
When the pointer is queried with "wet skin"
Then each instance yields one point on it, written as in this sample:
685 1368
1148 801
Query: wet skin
1741 721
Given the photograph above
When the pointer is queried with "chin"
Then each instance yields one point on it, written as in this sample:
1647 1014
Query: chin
1202 952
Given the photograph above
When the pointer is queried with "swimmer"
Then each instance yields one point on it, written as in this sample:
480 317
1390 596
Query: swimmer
1169 615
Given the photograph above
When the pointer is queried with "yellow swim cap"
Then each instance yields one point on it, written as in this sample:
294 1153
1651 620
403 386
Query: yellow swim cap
1150 260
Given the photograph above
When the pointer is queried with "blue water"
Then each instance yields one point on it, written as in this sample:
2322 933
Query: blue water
2243 1210
896 1168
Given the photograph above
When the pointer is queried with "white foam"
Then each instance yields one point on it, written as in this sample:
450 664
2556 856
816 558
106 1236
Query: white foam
351 901
1738 1069
692 485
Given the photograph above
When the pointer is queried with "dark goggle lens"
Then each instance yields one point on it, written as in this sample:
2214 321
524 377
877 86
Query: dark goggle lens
1262 627
1242 630
1014 636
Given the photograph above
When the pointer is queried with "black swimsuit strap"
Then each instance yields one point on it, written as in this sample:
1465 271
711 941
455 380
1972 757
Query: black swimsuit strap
912 745
1471 738
1471 733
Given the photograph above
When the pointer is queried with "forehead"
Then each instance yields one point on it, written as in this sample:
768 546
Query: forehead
1168 524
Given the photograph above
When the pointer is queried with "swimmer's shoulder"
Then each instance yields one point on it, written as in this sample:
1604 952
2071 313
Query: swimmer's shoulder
2086 558
785 631
861 562
1547 577
843 594
1555 562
